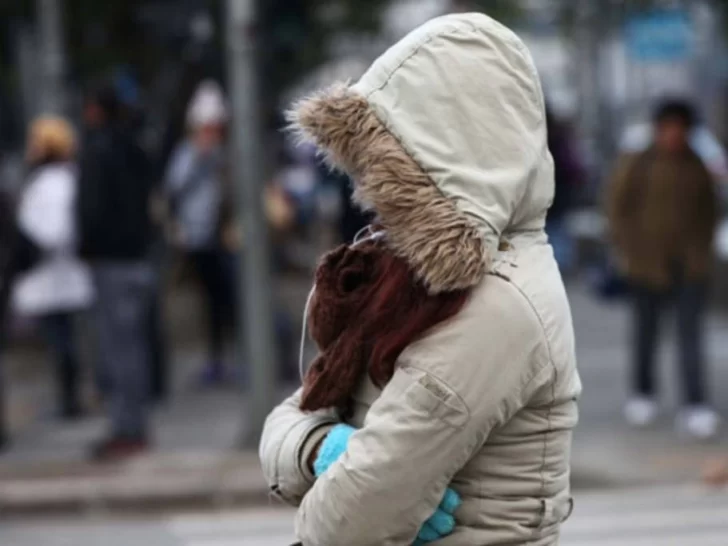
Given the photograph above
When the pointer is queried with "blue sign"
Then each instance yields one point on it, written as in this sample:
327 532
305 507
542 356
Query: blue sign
659 36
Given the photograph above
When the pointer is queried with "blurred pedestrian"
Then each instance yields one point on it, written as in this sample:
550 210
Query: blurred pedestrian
663 212
567 176
135 118
58 285
200 205
113 215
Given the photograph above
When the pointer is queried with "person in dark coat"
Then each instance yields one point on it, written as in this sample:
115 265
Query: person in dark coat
115 233
135 118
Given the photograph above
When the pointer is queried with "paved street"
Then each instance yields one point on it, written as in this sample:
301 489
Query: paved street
269 527
652 517
672 516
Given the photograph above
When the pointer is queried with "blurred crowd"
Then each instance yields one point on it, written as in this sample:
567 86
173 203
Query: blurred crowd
99 214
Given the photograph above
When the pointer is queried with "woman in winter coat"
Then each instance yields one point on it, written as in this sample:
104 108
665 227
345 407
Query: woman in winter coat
441 406
58 285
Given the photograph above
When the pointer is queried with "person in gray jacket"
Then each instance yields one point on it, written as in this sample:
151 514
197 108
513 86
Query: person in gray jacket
445 138
196 188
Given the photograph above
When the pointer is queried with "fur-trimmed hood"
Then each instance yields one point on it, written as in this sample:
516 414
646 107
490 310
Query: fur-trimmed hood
445 137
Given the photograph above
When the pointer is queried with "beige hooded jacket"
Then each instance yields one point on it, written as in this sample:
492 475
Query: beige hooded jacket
446 139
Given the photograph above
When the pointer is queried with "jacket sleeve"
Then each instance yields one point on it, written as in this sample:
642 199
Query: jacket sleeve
288 440
708 209
90 197
449 392
618 201
180 164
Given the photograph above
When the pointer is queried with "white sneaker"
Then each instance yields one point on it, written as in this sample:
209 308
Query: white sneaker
699 422
641 412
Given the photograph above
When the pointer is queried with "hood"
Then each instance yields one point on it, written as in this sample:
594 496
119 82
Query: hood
445 138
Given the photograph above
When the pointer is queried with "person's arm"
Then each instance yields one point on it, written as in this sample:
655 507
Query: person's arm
177 177
288 445
449 392
707 210
617 200
179 170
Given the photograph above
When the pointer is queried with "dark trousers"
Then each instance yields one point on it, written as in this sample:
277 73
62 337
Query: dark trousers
216 270
159 382
58 329
649 310
122 292
159 364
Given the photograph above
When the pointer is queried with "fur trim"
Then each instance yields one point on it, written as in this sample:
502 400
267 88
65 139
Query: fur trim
442 245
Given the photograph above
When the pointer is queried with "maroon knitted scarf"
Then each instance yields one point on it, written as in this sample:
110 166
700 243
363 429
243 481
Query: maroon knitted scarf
366 309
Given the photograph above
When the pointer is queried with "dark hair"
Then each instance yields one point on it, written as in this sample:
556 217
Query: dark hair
676 109
105 97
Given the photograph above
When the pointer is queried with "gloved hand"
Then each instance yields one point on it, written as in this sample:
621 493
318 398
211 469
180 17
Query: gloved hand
440 524
332 447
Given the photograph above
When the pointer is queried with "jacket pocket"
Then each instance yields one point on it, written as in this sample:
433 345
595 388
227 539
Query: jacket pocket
432 396
555 511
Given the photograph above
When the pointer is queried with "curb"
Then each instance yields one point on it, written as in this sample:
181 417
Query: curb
59 497
154 484
132 505
159 485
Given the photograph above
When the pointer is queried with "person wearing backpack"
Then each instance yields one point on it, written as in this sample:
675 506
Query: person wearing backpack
663 210
115 233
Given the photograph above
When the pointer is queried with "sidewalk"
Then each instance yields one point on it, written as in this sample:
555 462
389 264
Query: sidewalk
197 460
608 452
196 457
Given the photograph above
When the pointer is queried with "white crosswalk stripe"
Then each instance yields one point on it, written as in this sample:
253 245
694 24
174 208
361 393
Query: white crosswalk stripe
272 527
675 516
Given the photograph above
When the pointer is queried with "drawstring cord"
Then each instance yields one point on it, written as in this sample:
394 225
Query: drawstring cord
369 236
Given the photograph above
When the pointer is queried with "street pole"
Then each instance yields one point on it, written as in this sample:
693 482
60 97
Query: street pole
256 330
52 56
588 28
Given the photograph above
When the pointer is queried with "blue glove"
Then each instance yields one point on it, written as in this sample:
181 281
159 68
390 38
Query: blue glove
333 447
442 522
